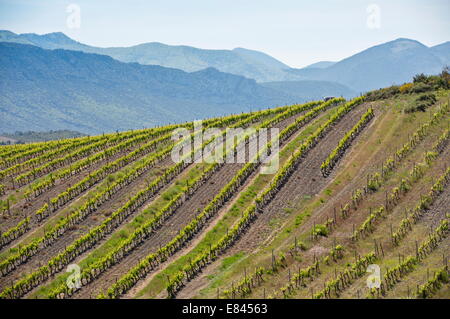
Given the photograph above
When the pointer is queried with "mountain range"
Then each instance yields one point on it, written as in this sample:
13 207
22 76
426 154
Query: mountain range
52 82
389 63
251 64
62 89
394 62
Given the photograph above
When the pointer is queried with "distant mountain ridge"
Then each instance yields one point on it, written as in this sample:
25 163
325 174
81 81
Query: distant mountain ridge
251 64
394 62
60 89
389 63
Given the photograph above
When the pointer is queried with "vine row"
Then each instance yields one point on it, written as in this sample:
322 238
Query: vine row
375 181
345 143
71 192
395 274
428 289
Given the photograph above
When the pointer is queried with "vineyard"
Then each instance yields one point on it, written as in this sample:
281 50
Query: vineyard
358 206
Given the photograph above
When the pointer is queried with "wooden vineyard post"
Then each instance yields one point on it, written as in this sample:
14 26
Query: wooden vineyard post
392 233
376 246
386 200
273 264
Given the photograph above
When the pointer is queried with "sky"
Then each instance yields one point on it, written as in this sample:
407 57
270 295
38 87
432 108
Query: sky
297 32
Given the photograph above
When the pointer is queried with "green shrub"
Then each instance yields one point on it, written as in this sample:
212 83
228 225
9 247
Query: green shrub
422 103
320 230
420 88
420 78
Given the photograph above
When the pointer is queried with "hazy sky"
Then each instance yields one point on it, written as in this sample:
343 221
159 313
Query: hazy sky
296 32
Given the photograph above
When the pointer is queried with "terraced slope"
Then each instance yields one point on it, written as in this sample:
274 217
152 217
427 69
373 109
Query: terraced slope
358 182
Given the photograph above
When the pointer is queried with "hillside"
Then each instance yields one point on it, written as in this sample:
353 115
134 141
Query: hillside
355 183
45 90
